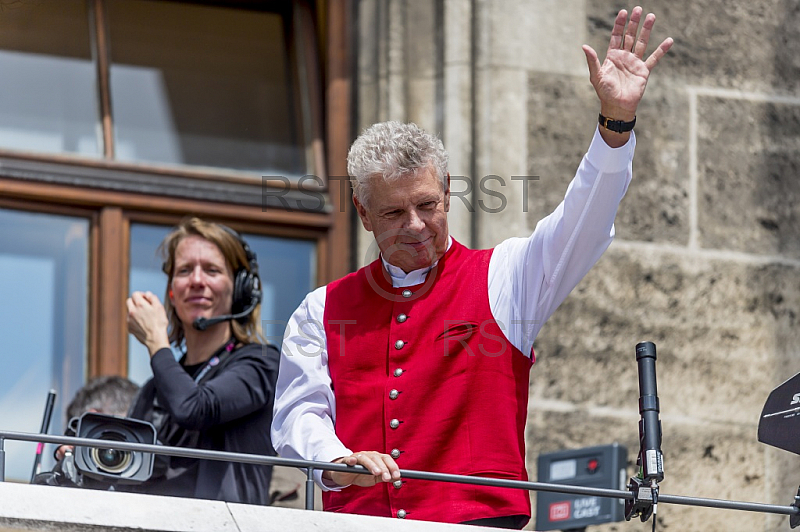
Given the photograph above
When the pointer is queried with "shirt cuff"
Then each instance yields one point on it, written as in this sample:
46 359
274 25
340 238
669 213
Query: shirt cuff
608 159
329 455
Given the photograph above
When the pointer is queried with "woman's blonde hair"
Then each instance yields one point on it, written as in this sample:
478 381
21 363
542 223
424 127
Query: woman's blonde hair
232 249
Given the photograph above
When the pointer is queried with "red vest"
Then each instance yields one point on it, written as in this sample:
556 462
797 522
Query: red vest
426 372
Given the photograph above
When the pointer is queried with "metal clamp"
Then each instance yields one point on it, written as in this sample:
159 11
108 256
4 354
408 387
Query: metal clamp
794 520
644 497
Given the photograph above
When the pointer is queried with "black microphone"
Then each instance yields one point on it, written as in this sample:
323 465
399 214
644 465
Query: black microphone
650 457
201 324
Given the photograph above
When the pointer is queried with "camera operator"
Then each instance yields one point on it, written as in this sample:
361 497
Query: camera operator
219 395
110 395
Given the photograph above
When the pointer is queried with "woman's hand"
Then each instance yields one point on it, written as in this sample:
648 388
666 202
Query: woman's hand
147 321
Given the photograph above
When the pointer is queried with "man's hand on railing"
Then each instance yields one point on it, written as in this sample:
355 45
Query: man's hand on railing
382 466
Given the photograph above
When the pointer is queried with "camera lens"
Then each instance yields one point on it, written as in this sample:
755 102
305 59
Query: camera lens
111 460
111 457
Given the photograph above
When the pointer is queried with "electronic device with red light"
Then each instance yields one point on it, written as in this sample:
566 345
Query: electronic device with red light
597 467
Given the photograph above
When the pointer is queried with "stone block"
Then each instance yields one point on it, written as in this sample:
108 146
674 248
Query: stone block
421 104
501 140
562 117
505 29
723 332
748 160
422 37
745 45
458 35
553 41
656 207
457 139
368 104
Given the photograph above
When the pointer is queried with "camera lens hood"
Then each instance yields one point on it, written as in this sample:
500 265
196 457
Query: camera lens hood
110 464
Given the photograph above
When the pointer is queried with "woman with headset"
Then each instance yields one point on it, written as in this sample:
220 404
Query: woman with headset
220 394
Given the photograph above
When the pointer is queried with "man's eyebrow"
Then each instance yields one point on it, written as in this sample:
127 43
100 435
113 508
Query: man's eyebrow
422 198
390 208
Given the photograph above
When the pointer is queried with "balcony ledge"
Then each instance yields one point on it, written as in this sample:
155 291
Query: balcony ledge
40 508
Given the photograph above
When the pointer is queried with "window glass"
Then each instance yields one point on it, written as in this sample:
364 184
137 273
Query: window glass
43 279
48 80
204 85
288 272
145 275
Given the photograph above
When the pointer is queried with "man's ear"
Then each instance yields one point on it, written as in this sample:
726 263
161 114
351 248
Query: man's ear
447 195
362 213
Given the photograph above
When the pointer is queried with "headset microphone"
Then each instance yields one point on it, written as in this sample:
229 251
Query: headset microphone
201 324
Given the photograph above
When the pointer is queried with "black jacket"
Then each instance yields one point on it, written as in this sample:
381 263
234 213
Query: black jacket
229 409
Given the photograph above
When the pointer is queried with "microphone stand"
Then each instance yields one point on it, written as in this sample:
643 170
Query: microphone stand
644 486
643 496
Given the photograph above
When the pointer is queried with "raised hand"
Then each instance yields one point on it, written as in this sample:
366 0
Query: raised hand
147 320
621 79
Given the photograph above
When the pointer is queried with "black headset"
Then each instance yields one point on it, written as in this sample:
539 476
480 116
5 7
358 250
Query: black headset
246 282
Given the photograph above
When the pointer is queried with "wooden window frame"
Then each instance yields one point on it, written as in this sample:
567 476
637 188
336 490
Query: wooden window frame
113 195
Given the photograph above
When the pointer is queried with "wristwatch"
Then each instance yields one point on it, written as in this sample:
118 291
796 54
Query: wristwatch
617 126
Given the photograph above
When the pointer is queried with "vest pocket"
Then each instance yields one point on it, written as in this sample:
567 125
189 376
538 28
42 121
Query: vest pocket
456 336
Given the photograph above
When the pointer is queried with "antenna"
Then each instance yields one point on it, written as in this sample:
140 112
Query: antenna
48 414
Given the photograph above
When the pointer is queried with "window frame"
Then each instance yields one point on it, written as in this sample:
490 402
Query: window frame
112 195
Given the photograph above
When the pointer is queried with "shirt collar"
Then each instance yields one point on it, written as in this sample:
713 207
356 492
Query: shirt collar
414 277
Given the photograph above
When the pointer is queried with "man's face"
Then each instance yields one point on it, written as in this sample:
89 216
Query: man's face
408 218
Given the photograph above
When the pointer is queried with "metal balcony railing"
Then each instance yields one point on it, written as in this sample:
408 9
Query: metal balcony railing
311 466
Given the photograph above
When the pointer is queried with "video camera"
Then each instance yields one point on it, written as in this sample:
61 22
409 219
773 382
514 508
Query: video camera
126 467
102 468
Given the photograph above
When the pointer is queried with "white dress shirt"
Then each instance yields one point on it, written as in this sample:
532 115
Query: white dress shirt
528 279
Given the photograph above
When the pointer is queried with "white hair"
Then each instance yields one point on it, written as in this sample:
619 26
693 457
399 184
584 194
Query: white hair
393 150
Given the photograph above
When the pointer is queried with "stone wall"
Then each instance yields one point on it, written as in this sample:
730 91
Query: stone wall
707 257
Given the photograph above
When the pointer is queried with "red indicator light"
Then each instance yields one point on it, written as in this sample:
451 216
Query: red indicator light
593 465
